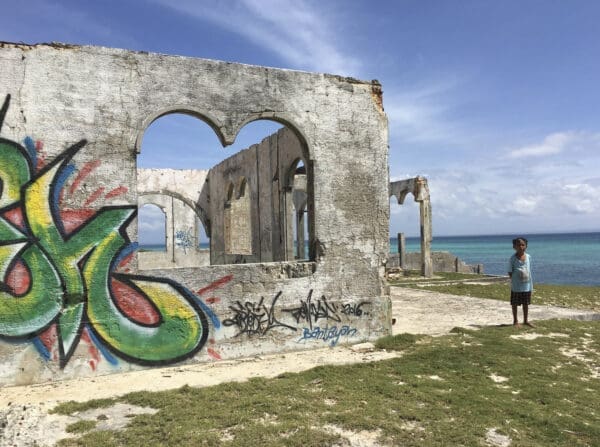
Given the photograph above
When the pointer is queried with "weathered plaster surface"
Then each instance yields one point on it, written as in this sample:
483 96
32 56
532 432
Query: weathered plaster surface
104 315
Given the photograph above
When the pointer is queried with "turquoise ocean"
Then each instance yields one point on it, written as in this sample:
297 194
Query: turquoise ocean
569 258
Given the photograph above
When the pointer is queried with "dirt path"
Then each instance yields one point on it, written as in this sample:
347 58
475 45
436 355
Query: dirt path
24 418
424 312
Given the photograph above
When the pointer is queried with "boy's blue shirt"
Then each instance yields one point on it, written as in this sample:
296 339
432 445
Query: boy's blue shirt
521 279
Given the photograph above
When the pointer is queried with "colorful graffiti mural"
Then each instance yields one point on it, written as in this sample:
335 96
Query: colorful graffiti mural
60 270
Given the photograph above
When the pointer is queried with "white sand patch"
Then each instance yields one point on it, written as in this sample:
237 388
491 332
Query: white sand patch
412 426
492 437
24 425
498 379
468 343
31 425
227 435
268 419
362 438
534 335
582 356
115 417
434 377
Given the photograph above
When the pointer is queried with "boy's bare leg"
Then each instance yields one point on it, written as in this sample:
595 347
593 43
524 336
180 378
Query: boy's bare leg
515 319
525 314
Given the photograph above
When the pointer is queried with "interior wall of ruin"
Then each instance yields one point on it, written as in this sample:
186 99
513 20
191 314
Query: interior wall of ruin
257 221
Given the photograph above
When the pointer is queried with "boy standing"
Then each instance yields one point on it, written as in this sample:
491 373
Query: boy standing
521 283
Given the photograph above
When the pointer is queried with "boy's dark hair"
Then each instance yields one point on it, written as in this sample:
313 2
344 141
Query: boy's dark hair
516 241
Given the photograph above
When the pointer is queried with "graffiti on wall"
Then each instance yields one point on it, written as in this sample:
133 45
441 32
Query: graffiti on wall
328 334
310 311
258 318
255 318
61 270
184 239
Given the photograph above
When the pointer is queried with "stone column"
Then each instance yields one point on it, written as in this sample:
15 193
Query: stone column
300 234
401 251
425 218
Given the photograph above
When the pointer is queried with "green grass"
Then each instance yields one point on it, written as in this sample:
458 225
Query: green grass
74 407
580 297
81 426
440 392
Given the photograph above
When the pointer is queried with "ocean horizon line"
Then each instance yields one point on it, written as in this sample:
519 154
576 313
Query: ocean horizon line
562 233
528 233
553 253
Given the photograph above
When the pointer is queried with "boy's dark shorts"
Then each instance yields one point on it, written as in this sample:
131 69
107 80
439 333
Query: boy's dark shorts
518 298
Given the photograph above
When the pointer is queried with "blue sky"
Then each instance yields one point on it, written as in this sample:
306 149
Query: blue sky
495 102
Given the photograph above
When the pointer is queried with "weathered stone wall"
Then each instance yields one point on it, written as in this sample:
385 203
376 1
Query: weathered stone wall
75 303
442 261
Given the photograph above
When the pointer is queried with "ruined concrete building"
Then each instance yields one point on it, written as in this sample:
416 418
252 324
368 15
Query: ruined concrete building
78 298
426 261
419 189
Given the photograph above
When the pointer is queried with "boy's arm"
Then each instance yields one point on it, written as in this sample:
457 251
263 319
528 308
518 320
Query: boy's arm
530 273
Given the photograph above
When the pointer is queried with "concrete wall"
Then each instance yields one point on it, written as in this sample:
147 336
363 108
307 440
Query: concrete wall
74 302
442 261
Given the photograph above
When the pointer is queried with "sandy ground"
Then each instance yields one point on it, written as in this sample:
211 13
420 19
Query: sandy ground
24 418
423 312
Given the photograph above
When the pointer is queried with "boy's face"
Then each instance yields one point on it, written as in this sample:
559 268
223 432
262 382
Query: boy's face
520 246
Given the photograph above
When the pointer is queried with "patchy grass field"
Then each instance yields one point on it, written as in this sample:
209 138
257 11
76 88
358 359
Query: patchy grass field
538 387
579 297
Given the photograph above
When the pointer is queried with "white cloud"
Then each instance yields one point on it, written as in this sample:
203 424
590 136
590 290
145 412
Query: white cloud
580 198
525 205
295 30
557 143
151 219
418 114
558 194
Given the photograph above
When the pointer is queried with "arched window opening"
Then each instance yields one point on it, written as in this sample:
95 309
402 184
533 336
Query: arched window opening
227 218
404 225
240 221
297 213
238 231
152 228
202 236
410 222
176 153
253 206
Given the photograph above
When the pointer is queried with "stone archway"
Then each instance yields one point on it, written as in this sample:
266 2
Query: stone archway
420 190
